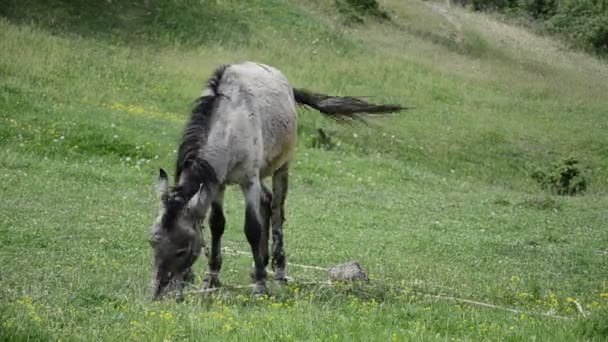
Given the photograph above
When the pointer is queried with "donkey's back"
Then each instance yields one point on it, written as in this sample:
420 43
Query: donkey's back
254 127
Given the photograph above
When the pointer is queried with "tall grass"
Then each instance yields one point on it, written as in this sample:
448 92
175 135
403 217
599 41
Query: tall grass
437 201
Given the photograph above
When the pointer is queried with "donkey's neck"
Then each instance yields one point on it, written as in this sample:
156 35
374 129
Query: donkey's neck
198 173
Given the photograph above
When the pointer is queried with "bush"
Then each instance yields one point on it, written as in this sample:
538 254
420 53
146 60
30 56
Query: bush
493 5
356 10
539 9
322 140
533 8
563 178
584 23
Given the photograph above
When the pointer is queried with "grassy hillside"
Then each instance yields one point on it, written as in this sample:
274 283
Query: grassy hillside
436 203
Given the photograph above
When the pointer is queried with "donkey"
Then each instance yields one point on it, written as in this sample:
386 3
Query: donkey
243 129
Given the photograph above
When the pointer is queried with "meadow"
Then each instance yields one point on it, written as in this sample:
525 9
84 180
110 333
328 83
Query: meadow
437 203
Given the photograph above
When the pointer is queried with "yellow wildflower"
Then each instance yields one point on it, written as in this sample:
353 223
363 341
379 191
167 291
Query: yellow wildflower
552 300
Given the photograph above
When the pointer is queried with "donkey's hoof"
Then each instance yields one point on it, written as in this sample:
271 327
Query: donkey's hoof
283 280
259 290
279 276
211 282
189 276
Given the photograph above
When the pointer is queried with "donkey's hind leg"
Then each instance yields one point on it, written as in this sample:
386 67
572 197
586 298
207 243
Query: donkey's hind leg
266 211
217 222
255 233
279 189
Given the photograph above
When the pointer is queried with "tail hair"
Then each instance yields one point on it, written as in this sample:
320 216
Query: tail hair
343 107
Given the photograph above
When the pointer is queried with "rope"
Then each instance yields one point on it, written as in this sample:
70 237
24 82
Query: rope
435 296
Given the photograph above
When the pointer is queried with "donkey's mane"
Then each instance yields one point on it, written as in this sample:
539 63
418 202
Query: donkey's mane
193 139
197 128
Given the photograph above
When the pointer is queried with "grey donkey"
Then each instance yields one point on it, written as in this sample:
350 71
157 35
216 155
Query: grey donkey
242 130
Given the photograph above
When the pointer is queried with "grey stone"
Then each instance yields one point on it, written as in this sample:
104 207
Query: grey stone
348 271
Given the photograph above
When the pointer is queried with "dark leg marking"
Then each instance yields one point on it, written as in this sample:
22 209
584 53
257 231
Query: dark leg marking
189 275
279 189
180 283
159 287
266 212
255 235
217 223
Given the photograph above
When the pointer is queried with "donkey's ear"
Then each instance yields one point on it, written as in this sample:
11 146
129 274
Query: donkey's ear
194 201
163 174
163 185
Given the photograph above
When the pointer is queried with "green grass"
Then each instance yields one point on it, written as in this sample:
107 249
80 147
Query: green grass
437 201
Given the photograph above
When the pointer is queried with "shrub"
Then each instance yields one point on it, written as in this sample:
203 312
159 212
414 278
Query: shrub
355 10
538 9
584 23
486 5
322 140
563 178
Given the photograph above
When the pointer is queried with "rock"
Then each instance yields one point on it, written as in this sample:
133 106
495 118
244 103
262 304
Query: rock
348 271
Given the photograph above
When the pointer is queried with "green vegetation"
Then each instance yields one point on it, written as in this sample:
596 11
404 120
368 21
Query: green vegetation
584 23
354 11
436 202
564 178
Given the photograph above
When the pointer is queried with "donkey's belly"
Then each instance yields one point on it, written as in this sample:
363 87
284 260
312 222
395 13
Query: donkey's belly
280 154
273 165
241 175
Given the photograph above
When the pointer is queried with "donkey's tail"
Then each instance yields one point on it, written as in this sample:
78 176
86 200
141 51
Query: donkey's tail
342 107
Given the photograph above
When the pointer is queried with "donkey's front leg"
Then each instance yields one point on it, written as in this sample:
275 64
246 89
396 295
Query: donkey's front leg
279 189
217 222
255 233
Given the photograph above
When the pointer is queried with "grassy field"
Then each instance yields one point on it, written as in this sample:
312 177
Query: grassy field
437 203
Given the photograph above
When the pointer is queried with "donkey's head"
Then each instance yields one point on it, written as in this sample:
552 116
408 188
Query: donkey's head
175 237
